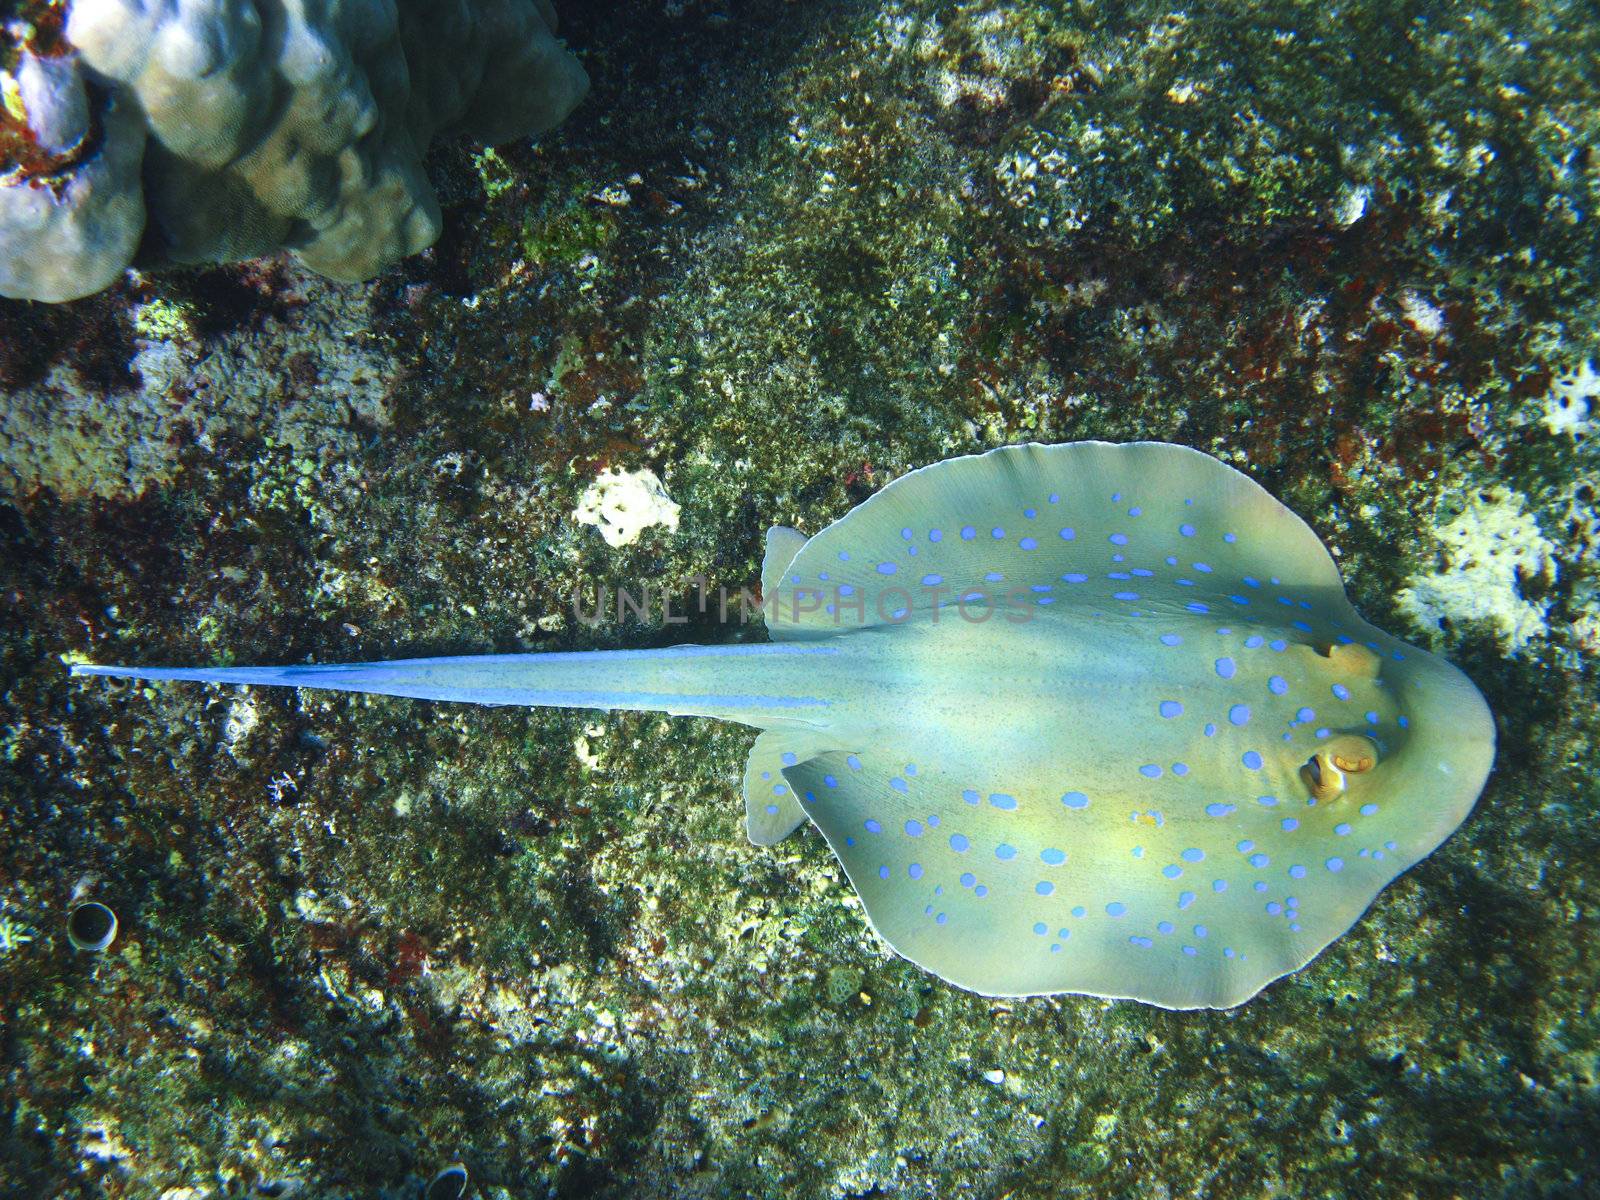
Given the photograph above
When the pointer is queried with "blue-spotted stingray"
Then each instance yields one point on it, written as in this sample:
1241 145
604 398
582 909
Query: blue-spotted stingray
1081 718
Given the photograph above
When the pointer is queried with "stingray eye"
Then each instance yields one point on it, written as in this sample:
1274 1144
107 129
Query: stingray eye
1324 773
1351 659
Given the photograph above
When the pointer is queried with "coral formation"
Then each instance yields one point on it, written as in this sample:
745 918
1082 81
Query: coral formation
1493 556
623 504
223 131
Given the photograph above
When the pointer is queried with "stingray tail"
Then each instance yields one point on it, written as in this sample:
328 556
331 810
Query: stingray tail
760 684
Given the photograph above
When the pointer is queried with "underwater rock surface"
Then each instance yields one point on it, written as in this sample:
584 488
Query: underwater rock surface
786 253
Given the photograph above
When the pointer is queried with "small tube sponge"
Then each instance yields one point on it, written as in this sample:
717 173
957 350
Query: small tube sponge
235 128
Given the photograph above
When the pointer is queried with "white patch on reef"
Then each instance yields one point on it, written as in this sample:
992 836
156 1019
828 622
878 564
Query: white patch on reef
243 716
623 504
1351 206
1421 313
1569 405
1486 553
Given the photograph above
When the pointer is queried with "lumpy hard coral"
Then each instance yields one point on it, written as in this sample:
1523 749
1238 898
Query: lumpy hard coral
1079 718
227 129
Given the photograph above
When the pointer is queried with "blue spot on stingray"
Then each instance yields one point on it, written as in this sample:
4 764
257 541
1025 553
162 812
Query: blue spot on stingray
1140 940
1186 529
1075 577
1259 860
1150 771
772 810
1028 544
1239 714
913 828
1193 855
997 533
1289 824
1005 852
1297 871
1306 715
1368 810
1210 730
936 535
1335 864
1225 668
959 843
906 534
1218 809
1196 606
970 796
932 580
789 758
830 781
1278 644
1124 595
1001 800
1219 885
1372 718
1171 639
968 879
1172 870
968 533
887 568
1342 829
1180 768
1301 626
1075 800
1203 568
1251 759
1116 908
1267 801
980 890
1341 691
1170 708
1185 899
1044 887
1118 539
993 577
1246 846
914 870
1052 856
1164 927
883 872
1079 910
899 785
1277 685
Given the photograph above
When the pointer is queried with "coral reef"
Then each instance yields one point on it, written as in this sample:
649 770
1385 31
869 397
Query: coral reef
786 254
219 132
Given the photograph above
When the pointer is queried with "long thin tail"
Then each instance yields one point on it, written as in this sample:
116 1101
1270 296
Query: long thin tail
761 684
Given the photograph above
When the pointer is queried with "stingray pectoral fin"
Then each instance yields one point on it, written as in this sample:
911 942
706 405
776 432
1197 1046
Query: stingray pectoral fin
771 810
927 877
1031 526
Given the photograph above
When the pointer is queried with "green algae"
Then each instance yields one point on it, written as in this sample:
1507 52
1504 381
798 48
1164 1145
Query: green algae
364 938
